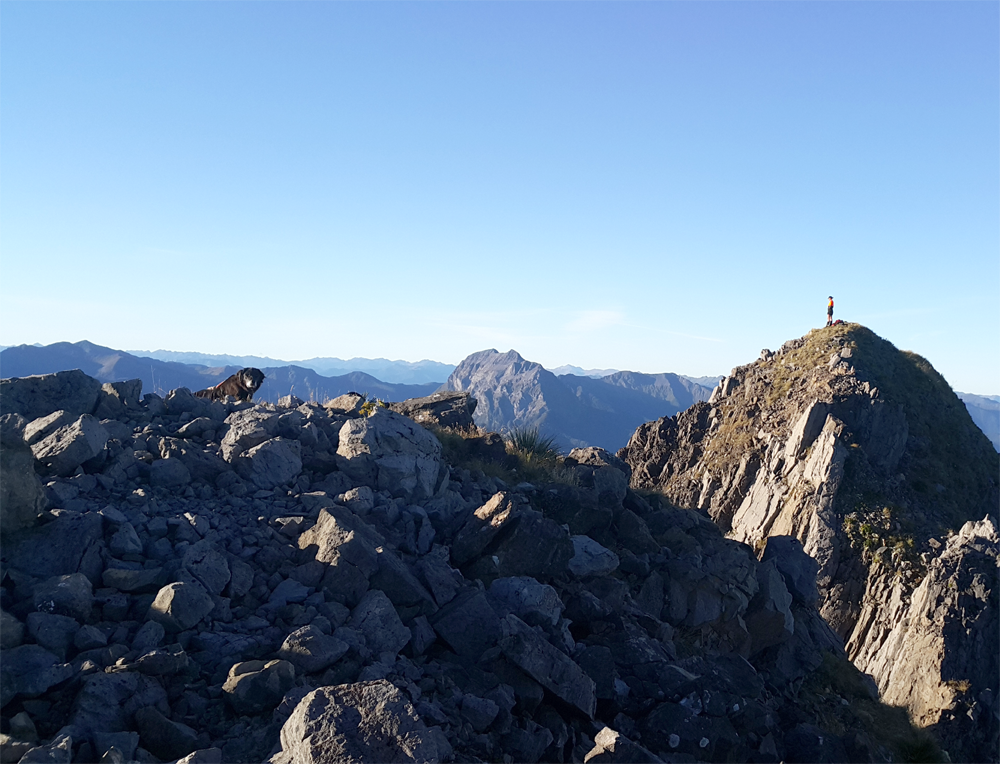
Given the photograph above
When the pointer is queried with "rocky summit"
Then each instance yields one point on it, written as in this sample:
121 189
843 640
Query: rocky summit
863 454
188 580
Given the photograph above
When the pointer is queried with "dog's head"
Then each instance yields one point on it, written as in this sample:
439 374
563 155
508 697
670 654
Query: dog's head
251 378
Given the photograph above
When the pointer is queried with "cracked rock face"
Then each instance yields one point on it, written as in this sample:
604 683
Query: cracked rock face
864 455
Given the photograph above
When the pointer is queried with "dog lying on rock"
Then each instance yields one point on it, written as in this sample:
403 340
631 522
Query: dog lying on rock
242 385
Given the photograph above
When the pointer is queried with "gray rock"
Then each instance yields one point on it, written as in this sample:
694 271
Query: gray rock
468 624
347 545
311 651
149 636
483 526
597 457
71 445
169 473
796 567
554 670
479 712
355 723
89 638
56 548
125 541
769 619
38 396
253 687
134 581
590 558
162 661
533 546
442 409
22 495
248 428
70 595
44 426
534 603
11 631
53 632
204 756
349 403
208 565
392 453
30 670
179 606
376 618
162 737
12 750
107 702
272 463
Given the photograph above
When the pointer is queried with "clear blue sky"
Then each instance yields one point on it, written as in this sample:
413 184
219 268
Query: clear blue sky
651 186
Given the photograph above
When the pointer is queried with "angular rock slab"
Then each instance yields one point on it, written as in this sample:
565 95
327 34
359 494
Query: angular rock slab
357 723
40 395
348 546
272 463
395 452
554 670
255 686
70 446
22 495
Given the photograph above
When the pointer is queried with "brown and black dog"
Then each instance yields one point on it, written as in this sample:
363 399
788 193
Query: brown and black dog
242 385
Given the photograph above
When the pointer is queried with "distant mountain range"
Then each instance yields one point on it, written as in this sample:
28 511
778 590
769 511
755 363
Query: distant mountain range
576 410
394 372
109 365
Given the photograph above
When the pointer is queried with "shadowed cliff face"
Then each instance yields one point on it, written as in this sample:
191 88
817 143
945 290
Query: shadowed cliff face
863 453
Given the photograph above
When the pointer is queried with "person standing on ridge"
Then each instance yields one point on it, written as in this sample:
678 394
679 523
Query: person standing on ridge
829 312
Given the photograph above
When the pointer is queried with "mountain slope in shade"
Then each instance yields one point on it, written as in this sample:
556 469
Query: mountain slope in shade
577 410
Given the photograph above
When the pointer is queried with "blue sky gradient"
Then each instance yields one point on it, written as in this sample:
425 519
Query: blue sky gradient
651 186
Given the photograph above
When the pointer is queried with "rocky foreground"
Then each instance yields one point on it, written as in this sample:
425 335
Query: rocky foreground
186 580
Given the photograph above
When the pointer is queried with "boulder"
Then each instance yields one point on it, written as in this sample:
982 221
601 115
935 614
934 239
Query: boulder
347 545
376 618
248 428
534 603
554 670
71 445
769 618
348 403
107 702
311 651
590 558
163 737
70 595
253 687
59 751
392 453
356 723
180 605
30 670
53 632
22 495
11 631
269 464
56 548
468 624
38 396
796 567
118 398
169 473
442 409
208 565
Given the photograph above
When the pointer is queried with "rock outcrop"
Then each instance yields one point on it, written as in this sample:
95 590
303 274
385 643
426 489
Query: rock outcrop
376 603
865 455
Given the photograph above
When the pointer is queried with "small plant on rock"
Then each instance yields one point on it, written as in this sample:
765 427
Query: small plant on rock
528 444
